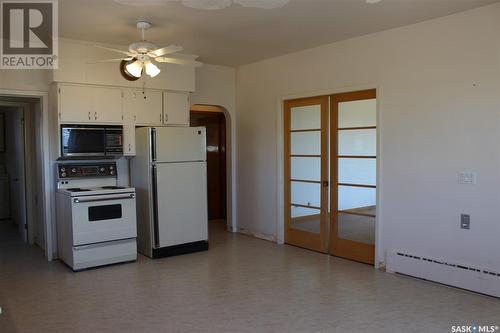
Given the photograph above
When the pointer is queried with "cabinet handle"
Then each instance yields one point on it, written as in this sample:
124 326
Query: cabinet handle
89 115
129 148
166 118
135 118
95 115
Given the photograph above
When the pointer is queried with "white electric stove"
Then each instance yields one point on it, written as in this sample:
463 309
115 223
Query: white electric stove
96 219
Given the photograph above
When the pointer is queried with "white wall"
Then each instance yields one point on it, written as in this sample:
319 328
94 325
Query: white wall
439 97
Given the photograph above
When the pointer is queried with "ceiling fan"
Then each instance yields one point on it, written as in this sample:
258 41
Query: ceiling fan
140 56
210 4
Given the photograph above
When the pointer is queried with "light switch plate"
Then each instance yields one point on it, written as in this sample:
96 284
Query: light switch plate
467 178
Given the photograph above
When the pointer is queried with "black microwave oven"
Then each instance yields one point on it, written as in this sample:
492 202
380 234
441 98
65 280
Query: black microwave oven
92 141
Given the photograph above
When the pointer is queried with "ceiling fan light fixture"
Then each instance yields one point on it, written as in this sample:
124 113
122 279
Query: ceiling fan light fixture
151 69
134 68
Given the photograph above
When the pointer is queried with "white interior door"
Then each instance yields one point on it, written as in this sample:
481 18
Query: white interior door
182 203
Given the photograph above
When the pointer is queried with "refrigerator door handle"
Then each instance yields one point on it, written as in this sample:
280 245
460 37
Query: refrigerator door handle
156 228
153 144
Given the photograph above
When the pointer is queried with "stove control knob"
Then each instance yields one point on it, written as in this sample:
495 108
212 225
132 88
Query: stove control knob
73 170
63 174
111 167
102 169
63 169
111 172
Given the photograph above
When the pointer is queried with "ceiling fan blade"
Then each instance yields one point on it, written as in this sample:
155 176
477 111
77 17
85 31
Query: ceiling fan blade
108 60
165 50
130 54
177 61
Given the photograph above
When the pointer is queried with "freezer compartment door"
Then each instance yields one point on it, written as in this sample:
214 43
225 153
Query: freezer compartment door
182 203
180 144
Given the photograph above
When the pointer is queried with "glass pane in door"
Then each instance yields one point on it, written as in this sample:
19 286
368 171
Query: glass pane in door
357 142
305 117
306 168
306 143
356 214
361 113
357 171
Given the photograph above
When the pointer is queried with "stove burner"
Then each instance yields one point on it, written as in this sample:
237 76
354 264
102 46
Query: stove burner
76 189
113 187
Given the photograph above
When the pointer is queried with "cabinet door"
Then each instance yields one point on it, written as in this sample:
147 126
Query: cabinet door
144 107
74 105
80 104
107 105
176 109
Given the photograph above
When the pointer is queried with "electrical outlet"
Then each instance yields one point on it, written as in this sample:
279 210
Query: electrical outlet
465 221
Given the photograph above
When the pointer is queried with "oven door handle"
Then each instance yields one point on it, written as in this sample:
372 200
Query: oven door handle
131 196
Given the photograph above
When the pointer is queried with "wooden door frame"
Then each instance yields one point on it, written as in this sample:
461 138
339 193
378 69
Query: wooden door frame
206 109
294 236
343 247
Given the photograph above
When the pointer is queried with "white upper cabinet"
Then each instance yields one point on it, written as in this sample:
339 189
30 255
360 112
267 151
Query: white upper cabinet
84 104
176 109
107 104
74 105
143 107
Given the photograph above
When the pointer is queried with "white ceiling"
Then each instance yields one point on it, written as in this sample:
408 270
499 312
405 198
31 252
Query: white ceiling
238 35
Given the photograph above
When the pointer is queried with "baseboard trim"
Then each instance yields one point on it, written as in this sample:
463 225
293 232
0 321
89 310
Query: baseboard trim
269 238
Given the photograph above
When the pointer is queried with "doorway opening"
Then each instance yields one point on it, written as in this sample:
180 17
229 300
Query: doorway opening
330 174
214 119
21 171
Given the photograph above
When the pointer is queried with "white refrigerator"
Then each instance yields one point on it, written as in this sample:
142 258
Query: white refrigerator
169 173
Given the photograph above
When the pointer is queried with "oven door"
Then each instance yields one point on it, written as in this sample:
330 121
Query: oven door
102 218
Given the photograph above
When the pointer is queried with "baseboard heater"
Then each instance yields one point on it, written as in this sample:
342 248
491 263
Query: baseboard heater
484 281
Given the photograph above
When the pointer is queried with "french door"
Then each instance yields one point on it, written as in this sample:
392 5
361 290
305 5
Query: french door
353 160
306 172
339 217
